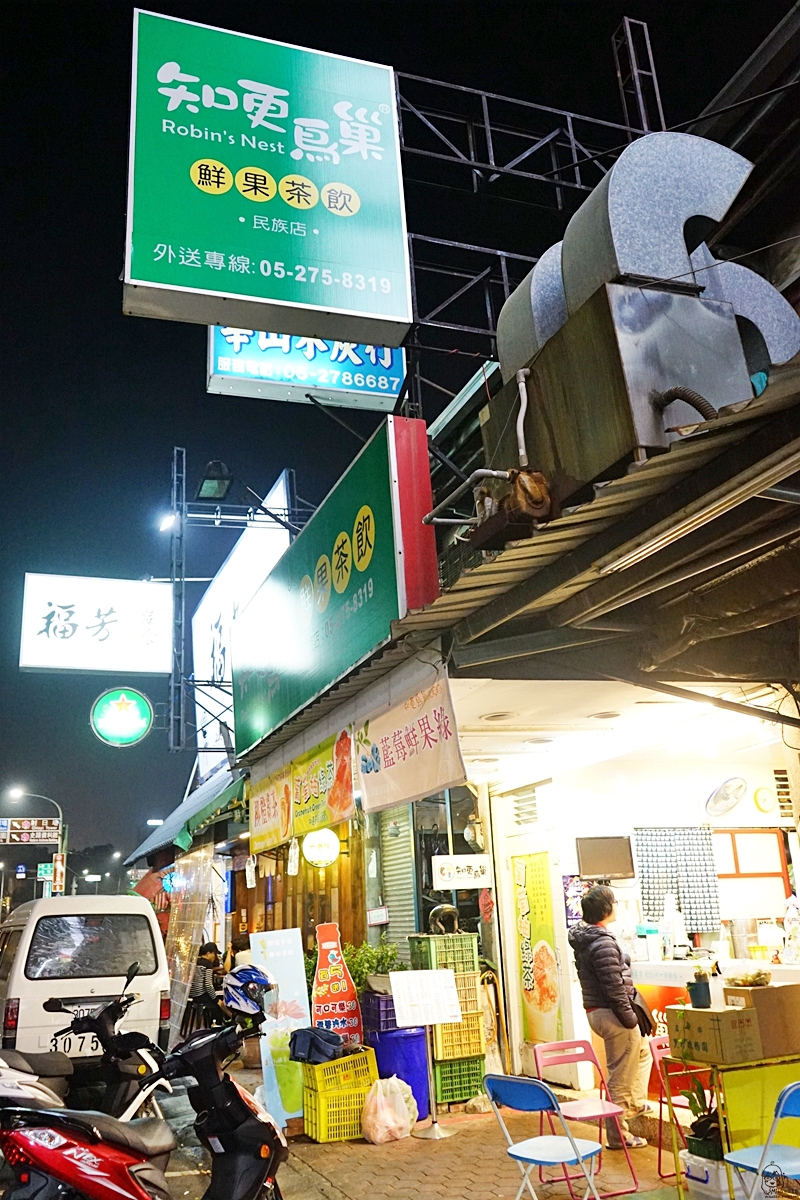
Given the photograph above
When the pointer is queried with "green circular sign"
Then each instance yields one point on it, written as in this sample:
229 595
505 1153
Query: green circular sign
121 717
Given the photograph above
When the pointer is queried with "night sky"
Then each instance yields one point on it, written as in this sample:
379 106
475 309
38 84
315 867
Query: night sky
94 401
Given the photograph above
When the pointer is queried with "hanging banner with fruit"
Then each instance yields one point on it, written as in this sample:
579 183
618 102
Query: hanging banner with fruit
412 750
271 811
536 941
322 784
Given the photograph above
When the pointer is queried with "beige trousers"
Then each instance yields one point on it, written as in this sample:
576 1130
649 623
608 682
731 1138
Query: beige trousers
628 1060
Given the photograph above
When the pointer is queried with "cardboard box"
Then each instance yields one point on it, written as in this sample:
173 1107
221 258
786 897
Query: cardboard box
714 1035
778 1009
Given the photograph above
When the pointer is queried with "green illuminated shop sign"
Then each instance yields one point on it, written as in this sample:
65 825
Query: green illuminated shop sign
122 717
361 562
264 187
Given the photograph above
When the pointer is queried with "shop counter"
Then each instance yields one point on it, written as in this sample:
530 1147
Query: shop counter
745 1095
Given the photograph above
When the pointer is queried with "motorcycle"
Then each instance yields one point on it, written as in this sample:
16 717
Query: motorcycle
45 1079
61 1154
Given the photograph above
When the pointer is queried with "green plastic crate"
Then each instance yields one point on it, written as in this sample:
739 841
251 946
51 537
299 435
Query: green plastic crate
333 1116
459 1079
431 952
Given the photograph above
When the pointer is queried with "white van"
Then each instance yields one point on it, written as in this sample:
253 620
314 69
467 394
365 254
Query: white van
79 948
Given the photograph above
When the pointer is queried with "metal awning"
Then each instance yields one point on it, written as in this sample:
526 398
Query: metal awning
214 796
712 468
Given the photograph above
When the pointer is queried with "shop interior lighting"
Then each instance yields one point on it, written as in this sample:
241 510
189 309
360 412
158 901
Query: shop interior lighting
498 716
538 741
220 845
752 484
243 836
215 483
603 716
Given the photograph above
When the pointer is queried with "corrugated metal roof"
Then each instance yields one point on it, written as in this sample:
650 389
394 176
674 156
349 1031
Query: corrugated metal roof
477 586
217 792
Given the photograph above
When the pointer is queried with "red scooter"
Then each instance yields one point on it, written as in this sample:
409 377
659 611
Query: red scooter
62 1154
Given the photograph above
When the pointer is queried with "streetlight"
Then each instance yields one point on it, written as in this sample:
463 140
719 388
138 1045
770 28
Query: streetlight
117 854
215 483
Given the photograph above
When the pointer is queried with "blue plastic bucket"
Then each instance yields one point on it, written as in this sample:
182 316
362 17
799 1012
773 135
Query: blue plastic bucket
401 1052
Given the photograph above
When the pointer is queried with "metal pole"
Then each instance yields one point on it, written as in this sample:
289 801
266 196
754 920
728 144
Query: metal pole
177 692
433 1132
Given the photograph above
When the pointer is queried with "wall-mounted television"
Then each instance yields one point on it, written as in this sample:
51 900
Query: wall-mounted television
605 858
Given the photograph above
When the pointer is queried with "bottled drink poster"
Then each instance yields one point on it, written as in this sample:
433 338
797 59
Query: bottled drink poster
280 952
334 1001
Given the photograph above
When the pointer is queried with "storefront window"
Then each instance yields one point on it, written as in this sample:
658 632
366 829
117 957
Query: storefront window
431 836
446 824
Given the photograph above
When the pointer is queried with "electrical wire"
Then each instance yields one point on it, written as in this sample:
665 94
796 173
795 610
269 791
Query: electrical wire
672 129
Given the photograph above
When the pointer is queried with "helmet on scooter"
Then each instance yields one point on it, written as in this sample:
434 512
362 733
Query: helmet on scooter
251 990
443 919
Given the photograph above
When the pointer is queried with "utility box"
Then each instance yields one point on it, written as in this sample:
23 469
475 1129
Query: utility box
592 387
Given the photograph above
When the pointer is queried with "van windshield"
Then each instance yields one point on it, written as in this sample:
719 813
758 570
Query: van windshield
90 945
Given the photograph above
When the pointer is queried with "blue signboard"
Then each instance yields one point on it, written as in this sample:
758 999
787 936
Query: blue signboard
282 366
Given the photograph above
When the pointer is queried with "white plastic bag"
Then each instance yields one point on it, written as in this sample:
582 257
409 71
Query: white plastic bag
385 1116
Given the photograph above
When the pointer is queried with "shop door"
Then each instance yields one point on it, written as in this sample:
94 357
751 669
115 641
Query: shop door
397 865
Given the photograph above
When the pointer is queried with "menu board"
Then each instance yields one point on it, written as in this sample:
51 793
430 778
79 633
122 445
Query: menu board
424 998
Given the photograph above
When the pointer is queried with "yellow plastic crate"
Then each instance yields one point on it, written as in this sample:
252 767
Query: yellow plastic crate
333 1116
468 988
464 1039
352 1071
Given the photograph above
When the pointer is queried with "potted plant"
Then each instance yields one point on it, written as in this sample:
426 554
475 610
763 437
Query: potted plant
700 988
705 1139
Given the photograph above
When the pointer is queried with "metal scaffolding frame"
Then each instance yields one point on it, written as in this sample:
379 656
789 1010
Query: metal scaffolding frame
638 83
483 144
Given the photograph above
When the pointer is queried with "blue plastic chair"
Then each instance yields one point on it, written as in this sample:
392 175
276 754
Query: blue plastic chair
546 1150
772 1160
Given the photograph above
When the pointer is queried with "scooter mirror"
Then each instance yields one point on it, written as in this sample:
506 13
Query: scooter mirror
54 1005
133 971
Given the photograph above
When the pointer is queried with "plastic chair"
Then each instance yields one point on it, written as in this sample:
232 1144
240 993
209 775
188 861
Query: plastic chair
659 1048
555 1054
532 1095
772 1161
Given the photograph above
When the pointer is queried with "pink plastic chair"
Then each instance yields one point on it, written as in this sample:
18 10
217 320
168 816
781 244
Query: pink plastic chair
600 1109
659 1048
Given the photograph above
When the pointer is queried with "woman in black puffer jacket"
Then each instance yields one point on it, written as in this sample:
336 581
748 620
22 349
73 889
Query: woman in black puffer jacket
604 971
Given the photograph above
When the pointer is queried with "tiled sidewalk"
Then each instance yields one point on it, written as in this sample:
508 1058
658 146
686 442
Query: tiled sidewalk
473 1165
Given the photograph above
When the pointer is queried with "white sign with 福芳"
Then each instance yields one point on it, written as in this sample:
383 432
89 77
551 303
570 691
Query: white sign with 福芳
424 998
79 623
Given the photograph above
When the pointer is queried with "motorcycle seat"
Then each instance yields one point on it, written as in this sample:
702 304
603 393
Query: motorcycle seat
148 1136
53 1065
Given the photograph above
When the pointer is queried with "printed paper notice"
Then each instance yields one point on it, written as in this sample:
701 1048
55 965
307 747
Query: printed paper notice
424 998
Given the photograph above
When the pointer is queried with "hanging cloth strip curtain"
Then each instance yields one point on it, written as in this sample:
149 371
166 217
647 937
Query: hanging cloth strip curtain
679 860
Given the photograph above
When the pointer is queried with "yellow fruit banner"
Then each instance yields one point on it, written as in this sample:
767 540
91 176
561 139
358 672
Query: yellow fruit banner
271 811
322 784
536 947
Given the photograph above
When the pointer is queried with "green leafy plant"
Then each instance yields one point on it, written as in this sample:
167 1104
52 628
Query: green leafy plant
705 1125
361 961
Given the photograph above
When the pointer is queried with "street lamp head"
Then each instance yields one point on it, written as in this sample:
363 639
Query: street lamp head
85 871
155 821
117 854
215 483
15 793
167 522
